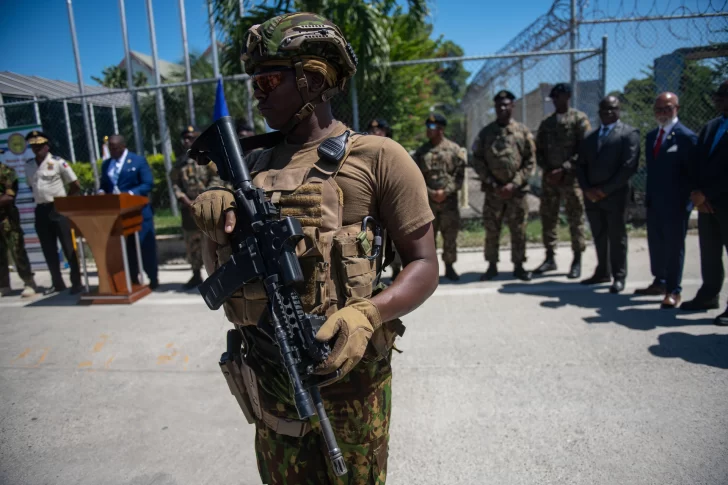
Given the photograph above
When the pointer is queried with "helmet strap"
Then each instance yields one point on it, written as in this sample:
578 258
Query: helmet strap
309 104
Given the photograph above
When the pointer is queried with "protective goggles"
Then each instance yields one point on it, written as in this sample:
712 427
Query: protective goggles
267 82
432 126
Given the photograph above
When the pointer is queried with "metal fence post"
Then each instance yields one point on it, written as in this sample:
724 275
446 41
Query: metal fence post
161 114
69 131
84 110
354 105
135 117
572 43
523 94
114 119
213 39
36 111
188 69
97 153
604 66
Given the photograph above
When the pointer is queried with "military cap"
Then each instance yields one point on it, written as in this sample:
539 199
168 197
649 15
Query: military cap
560 88
436 118
36 137
504 94
190 130
378 123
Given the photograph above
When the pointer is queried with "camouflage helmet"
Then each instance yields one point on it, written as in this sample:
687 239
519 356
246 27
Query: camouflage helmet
291 36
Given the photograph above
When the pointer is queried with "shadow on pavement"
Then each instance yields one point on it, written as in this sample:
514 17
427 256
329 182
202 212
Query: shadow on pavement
710 350
622 309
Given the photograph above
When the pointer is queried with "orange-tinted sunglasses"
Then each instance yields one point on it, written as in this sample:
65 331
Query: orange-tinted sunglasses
267 82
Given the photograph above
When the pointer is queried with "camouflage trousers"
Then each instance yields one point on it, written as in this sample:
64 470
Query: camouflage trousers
447 221
515 214
573 198
359 408
11 240
193 245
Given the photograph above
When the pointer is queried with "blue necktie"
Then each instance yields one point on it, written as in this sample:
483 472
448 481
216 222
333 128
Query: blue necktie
115 173
719 134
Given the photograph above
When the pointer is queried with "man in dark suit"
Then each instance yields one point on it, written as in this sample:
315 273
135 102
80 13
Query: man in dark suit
710 196
668 150
608 157
128 172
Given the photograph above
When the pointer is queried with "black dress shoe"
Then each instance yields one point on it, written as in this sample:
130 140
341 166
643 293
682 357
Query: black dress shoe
653 290
450 273
76 289
617 287
722 319
491 273
548 265
696 305
522 274
153 285
54 289
596 280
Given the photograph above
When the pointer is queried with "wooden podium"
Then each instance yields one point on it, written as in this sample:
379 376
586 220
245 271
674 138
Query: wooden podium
105 221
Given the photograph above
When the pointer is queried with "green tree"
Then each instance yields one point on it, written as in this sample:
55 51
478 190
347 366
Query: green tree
115 77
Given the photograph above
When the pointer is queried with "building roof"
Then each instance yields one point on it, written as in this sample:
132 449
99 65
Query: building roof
22 86
166 69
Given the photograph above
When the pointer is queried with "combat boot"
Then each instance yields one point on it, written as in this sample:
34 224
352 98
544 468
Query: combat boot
575 271
194 282
549 264
491 273
450 273
522 274
30 288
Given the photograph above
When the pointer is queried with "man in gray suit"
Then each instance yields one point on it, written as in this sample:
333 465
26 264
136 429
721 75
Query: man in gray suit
608 158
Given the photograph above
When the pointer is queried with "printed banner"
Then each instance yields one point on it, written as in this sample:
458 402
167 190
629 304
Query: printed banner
17 151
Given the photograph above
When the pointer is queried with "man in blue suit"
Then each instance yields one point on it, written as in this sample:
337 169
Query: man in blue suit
129 172
668 150
710 196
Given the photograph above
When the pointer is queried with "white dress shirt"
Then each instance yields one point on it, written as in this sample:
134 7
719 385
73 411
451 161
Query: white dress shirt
667 130
114 166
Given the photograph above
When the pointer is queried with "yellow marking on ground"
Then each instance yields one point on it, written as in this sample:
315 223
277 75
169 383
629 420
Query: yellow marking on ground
187 361
163 359
100 345
169 345
85 363
108 362
42 357
22 355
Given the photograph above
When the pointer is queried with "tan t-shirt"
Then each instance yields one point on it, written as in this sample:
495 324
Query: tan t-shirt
378 179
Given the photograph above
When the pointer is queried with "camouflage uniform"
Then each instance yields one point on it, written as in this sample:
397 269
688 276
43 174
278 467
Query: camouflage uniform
557 146
443 167
503 155
190 179
11 233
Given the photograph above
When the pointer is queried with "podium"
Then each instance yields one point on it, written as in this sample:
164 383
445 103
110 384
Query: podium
105 221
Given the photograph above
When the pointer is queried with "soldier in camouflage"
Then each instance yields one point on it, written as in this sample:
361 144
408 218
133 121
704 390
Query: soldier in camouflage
504 158
11 235
557 153
442 163
188 181
298 62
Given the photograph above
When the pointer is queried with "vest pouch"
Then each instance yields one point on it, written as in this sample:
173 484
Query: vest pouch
355 274
314 290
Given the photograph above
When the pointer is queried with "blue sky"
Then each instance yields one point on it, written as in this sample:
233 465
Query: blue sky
36 35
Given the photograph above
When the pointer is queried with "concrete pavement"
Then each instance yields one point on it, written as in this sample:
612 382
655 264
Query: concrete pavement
500 382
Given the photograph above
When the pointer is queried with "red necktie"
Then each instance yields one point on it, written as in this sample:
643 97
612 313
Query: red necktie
658 143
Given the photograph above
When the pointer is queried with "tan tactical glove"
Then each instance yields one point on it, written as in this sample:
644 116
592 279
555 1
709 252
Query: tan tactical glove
352 326
209 210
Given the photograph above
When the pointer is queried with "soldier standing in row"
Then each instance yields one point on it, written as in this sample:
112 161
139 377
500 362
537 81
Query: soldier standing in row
11 235
504 158
442 162
557 153
47 175
188 181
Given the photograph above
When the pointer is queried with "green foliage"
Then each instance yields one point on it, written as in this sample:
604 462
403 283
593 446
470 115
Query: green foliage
160 196
115 77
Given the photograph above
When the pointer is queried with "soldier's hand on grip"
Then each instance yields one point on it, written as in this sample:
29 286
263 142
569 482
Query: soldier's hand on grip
352 327
214 214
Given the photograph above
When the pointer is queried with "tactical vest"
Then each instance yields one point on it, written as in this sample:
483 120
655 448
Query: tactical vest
333 257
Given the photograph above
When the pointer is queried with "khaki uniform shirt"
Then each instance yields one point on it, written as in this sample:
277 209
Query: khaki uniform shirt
48 180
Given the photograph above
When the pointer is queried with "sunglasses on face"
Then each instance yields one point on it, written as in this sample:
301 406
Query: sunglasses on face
432 126
267 82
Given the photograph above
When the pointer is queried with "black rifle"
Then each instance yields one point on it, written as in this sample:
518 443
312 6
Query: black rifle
264 249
